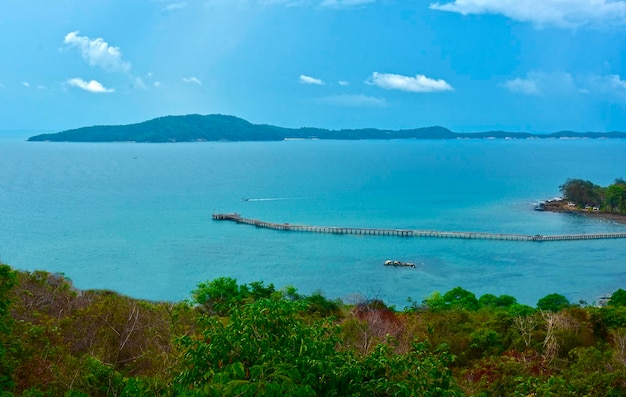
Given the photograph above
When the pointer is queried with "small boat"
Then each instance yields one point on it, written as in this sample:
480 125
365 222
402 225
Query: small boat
399 263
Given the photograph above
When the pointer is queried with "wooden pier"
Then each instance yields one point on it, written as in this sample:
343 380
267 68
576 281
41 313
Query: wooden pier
412 233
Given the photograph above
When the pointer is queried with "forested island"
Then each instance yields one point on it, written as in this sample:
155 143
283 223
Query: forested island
585 197
232 339
217 127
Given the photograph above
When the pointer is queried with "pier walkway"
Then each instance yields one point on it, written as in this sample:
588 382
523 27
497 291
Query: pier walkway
412 233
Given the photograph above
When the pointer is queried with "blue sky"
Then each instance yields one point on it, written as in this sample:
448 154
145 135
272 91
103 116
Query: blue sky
469 65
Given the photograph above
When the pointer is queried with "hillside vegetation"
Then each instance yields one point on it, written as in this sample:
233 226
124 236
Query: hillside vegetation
217 127
250 339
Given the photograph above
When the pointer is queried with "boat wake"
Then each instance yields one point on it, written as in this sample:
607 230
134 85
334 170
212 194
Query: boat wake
272 199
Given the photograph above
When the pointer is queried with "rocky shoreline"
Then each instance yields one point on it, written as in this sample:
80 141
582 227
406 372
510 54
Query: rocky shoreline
564 206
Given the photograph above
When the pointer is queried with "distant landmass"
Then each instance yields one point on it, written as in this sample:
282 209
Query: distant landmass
217 127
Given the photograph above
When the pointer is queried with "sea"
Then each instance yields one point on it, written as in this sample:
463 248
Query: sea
136 218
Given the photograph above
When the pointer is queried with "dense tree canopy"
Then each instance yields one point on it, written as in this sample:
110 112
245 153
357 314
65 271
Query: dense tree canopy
251 339
586 193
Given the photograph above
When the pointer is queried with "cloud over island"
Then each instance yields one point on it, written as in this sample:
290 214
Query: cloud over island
419 83
97 52
310 80
90 86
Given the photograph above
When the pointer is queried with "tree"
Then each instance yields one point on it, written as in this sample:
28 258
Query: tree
265 348
582 192
618 298
8 279
220 295
461 298
616 197
552 303
492 301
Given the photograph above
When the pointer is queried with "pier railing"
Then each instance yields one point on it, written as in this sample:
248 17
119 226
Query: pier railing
234 217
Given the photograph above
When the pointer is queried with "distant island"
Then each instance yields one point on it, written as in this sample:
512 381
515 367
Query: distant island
217 127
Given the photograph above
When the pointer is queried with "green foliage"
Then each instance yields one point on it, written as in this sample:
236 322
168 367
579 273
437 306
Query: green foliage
616 197
259 291
552 303
456 298
8 279
318 304
222 294
269 348
593 373
58 341
618 298
492 301
265 347
8 342
486 341
461 299
419 372
603 320
582 192
219 295
434 302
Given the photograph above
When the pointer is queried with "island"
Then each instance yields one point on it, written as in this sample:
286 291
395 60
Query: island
218 127
586 198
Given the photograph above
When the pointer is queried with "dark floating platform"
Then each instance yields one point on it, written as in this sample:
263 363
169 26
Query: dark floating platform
399 263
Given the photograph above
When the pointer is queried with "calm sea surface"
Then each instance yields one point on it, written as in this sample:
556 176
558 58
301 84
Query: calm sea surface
136 218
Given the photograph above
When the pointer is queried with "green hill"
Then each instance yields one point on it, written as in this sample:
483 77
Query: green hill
217 127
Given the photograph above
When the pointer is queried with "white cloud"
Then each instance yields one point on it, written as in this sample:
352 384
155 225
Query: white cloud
174 6
26 84
98 52
542 83
337 4
193 80
560 13
310 80
522 86
345 3
607 87
157 83
344 83
91 86
419 83
353 101
616 82
610 85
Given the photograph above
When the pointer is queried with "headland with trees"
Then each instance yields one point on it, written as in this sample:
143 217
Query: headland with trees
585 197
232 339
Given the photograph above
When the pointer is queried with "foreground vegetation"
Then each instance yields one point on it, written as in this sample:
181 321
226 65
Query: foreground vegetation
251 339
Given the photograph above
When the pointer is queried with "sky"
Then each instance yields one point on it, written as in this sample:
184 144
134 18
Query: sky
468 65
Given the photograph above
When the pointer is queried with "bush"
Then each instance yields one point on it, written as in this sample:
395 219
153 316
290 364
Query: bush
552 303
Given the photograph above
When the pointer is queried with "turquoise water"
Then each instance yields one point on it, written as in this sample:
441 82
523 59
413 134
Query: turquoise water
136 218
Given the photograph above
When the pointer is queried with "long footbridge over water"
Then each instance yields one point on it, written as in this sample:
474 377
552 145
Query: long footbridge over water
234 217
